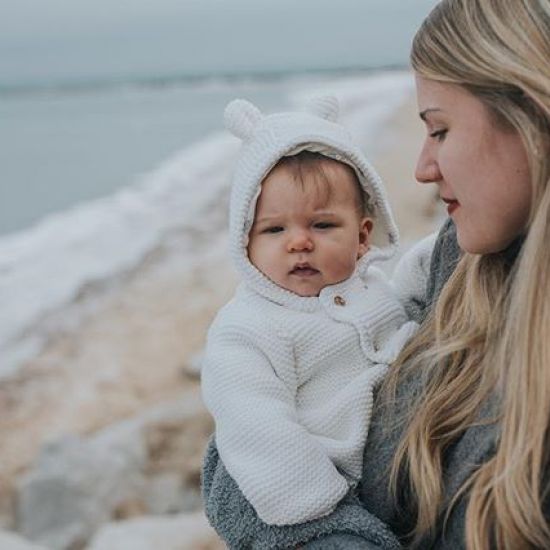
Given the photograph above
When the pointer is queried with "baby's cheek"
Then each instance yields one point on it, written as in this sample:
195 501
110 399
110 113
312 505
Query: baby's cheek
345 266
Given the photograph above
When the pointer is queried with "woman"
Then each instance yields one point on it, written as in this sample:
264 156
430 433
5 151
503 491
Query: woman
458 454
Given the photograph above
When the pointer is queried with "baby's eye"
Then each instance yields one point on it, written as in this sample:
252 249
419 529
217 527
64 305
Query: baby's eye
273 229
324 225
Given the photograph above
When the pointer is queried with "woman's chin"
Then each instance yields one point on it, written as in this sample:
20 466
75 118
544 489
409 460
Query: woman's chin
474 244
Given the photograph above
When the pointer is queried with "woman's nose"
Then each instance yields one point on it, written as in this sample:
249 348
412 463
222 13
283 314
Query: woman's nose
300 241
427 169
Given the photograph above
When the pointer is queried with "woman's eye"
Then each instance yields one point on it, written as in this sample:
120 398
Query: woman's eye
439 135
324 225
274 229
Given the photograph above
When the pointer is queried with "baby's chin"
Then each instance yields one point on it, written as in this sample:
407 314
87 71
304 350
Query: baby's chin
303 291
306 290
313 294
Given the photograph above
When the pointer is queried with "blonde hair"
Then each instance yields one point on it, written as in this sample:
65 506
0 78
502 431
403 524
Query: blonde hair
487 339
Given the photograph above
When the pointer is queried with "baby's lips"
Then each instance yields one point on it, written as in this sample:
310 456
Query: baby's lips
303 269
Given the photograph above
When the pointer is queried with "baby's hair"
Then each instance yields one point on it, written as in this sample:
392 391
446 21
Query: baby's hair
310 166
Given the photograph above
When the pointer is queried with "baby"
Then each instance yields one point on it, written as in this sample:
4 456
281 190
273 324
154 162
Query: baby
292 360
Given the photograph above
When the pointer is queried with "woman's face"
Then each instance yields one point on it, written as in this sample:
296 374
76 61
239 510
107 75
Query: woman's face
479 165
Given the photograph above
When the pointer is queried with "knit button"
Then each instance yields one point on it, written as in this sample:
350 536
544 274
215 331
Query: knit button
339 301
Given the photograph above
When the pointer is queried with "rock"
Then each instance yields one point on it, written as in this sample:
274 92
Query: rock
76 486
181 532
12 541
149 464
193 366
7 516
164 494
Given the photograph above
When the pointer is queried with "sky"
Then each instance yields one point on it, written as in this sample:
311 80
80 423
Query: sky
63 40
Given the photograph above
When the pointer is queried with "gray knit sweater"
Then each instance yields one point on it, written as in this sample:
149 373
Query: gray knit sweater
367 519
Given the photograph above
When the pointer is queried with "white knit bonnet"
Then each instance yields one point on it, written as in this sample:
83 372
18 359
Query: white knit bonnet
268 138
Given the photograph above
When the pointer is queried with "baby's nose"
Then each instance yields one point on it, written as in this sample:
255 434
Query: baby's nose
300 241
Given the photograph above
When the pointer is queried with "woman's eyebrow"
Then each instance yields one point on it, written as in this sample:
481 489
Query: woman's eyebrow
423 113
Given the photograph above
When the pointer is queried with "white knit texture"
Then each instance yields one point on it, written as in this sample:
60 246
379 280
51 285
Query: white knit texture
290 389
412 271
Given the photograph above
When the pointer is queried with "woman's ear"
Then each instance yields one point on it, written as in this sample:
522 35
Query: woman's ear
365 227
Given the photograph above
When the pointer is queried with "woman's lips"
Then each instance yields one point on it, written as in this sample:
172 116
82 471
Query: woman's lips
452 205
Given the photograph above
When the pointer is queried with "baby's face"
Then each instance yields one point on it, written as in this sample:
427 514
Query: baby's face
302 239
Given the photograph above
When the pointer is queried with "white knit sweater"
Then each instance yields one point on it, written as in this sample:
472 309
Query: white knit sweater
290 388
289 379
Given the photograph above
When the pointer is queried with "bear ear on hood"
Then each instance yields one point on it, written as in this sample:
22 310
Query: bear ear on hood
241 117
326 107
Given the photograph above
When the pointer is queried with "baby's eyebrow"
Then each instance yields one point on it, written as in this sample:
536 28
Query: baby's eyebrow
327 213
267 219
277 217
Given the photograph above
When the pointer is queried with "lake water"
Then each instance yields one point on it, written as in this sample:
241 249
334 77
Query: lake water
76 133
